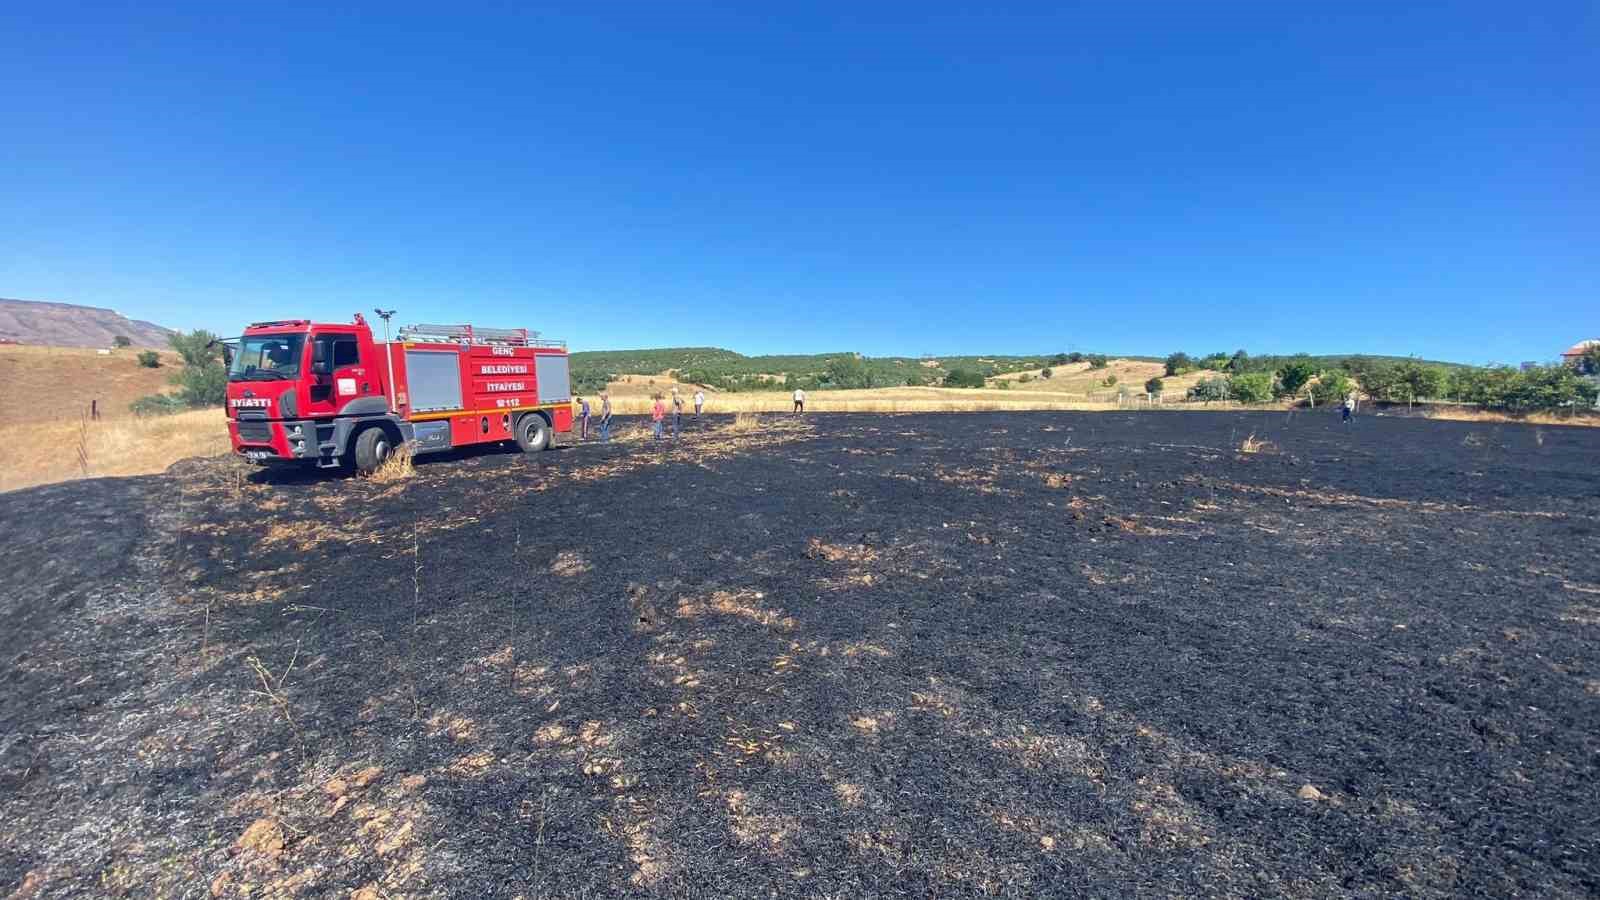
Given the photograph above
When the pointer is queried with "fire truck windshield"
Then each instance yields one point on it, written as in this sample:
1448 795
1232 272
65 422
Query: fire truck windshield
267 356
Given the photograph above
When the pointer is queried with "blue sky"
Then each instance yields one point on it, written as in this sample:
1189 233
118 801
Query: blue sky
890 178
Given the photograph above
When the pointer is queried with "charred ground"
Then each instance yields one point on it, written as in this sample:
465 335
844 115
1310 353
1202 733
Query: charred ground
1007 654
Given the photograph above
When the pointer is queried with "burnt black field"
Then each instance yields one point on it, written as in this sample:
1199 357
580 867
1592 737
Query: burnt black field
1018 655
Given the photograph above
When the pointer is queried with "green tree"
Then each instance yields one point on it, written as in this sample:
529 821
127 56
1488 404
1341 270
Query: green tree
1060 359
1239 362
1488 387
847 372
1153 386
1331 387
1251 387
1377 380
1074 357
963 378
1047 372
1409 381
1097 360
203 380
1293 377
122 340
150 359
1550 388
1209 389
1179 363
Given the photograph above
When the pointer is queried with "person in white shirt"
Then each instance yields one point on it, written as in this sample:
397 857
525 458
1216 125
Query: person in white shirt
699 401
799 401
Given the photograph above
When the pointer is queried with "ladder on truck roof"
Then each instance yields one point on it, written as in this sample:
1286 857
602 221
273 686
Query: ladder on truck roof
467 334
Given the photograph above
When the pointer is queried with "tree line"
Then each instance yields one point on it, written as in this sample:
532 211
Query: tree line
1247 379
1238 376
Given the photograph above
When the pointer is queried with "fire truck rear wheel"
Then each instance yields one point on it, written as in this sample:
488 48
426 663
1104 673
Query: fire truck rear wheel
372 448
533 433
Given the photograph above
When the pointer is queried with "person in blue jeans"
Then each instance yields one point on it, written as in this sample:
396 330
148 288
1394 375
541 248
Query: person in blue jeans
605 418
583 419
657 413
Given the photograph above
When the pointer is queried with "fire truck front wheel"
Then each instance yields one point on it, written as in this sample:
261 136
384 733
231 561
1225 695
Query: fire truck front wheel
372 447
533 433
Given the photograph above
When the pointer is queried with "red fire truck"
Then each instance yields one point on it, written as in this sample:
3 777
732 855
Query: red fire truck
329 395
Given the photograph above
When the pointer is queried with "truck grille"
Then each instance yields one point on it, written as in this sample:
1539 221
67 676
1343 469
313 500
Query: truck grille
254 431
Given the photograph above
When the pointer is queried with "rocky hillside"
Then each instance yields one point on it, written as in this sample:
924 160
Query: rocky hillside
70 325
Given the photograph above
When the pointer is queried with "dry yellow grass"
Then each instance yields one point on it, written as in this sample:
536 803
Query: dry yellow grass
1074 386
396 468
1078 378
1460 414
59 382
1253 444
41 452
883 400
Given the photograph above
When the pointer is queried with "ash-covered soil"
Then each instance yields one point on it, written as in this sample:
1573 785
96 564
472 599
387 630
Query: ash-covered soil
1047 654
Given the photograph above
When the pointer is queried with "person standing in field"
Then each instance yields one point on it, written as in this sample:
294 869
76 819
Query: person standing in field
699 402
677 415
583 419
1349 407
605 418
657 413
799 401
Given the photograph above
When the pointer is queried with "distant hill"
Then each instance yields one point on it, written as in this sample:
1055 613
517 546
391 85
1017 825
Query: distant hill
70 325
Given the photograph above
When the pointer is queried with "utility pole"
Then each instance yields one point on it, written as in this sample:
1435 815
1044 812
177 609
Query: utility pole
388 352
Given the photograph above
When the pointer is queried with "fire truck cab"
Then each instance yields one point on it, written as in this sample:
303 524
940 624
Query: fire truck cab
329 395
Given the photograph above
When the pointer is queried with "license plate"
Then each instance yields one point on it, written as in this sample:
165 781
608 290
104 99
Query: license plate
259 454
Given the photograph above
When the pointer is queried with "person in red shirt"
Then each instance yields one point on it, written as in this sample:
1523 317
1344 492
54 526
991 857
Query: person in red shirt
657 413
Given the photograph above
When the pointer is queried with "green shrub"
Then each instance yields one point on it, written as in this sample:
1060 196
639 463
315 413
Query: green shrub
150 359
158 405
1153 386
122 340
1047 372
593 381
1179 363
1251 387
963 378
1209 389
1097 360
1024 378
1109 380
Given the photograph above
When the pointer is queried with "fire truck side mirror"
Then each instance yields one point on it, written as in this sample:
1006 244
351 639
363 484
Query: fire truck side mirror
320 364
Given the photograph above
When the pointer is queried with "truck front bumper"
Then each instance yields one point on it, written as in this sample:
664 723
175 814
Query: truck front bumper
270 440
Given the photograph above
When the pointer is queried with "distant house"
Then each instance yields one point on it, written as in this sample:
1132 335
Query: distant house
1574 355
